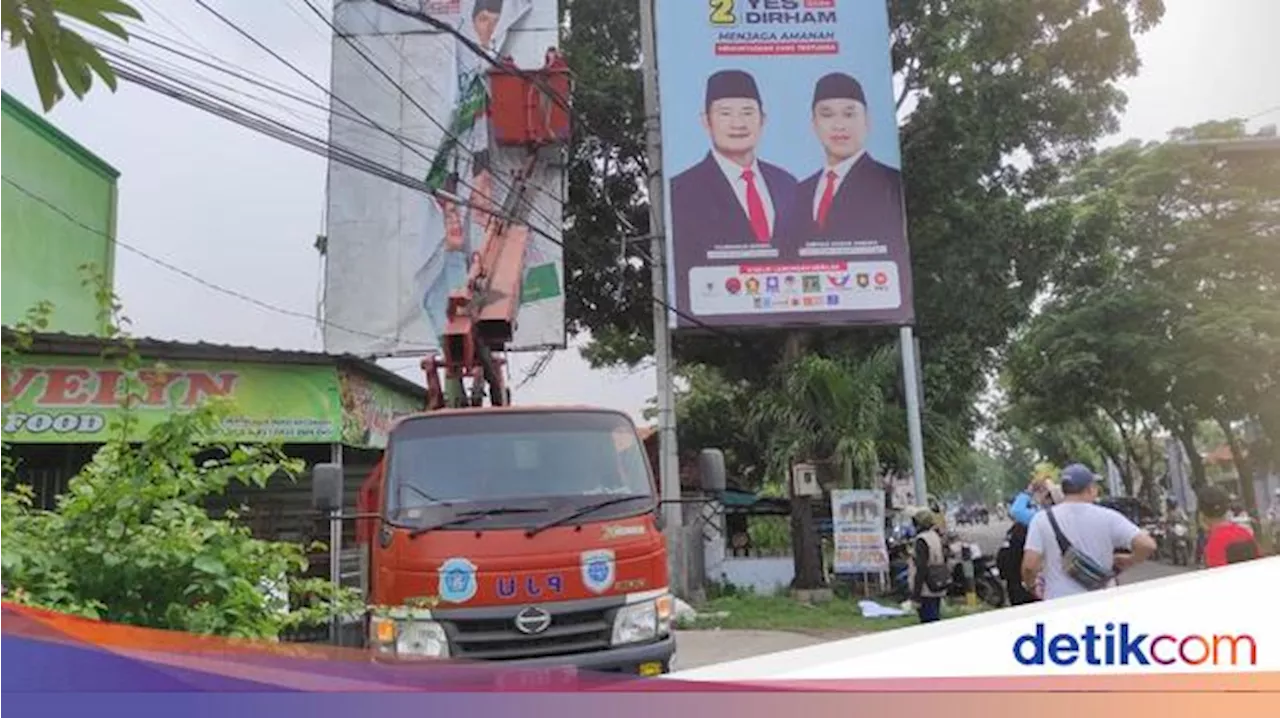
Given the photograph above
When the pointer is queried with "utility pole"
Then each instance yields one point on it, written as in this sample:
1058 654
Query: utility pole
668 456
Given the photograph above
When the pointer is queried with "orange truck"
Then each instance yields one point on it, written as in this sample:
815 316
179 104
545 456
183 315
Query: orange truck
522 534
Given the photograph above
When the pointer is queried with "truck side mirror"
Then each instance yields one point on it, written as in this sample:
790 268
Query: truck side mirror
711 470
326 487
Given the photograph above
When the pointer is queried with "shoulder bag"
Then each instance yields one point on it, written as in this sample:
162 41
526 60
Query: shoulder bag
1078 565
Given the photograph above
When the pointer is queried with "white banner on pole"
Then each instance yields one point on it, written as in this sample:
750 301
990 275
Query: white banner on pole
389 269
857 526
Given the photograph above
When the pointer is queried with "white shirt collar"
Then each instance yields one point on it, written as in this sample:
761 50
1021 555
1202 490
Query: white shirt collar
842 168
733 170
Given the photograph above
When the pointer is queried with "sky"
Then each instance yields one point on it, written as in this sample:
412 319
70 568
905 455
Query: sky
242 211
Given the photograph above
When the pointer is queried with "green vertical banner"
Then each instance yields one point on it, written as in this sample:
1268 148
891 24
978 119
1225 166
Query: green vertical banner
74 399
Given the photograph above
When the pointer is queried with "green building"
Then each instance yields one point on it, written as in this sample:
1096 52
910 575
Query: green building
59 214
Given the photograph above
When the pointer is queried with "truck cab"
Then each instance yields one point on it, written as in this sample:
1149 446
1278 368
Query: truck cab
521 534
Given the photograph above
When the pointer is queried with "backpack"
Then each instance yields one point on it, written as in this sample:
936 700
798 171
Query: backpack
1009 557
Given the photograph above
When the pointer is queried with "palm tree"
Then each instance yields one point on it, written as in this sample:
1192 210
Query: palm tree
842 414
830 411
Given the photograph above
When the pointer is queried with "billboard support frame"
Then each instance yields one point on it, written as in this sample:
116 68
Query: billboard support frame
912 390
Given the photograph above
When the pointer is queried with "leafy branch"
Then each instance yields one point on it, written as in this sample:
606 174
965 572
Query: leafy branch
58 54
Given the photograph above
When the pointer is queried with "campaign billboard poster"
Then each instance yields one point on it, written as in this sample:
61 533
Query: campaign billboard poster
393 254
783 184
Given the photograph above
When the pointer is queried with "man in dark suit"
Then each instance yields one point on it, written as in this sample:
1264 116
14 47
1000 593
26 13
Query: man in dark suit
730 200
853 199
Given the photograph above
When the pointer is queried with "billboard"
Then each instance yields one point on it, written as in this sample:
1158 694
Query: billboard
74 399
394 253
45 249
781 161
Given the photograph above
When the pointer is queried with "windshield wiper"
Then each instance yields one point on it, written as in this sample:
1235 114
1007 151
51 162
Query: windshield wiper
401 486
583 512
466 517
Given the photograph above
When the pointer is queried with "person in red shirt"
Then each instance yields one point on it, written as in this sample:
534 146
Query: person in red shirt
1227 542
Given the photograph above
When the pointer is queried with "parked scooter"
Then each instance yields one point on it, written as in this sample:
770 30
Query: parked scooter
1180 544
986 576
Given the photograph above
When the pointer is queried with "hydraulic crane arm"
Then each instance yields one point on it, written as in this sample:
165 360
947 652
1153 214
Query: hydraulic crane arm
481 315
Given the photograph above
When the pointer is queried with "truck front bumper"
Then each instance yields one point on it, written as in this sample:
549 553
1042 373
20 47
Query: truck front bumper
636 659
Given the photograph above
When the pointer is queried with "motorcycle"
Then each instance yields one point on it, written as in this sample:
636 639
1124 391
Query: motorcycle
1181 544
986 576
1157 533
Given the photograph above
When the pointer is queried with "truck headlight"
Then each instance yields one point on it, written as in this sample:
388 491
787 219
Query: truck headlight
643 621
408 638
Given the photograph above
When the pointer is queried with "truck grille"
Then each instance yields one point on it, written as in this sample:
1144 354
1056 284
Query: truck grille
573 631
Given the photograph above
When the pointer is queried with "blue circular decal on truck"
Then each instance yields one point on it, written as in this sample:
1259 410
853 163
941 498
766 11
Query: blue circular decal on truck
457 580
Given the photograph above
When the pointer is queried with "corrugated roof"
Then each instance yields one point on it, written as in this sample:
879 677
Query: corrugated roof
149 347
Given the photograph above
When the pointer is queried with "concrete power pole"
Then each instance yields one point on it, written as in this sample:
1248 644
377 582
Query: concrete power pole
668 457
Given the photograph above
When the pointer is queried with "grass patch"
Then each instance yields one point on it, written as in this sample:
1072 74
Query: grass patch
781 613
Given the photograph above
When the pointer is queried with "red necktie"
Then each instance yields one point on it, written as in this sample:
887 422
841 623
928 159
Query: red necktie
755 208
828 194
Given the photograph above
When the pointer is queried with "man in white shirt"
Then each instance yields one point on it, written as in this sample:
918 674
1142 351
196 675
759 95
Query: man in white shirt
1096 531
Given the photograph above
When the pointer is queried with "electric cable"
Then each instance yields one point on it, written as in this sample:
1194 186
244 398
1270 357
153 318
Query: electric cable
356 161
283 60
179 270
508 186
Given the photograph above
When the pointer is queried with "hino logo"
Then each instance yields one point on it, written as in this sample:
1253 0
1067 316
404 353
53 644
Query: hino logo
533 620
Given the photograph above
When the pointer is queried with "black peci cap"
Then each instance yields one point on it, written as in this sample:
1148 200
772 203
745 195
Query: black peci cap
838 86
493 6
731 83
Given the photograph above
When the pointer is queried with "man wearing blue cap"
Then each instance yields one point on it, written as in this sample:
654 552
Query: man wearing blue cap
1077 546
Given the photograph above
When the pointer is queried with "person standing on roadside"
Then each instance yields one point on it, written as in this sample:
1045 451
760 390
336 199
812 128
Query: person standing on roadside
1039 492
1226 540
928 573
1079 546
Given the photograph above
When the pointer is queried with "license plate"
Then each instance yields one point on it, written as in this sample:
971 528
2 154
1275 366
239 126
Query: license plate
652 668
535 679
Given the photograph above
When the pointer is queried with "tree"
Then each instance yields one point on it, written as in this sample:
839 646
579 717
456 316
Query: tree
1165 306
713 411
839 414
984 80
58 54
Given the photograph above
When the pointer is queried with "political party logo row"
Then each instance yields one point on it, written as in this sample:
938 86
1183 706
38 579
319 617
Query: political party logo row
722 290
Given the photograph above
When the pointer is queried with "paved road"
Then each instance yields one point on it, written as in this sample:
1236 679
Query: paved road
704 648
700 648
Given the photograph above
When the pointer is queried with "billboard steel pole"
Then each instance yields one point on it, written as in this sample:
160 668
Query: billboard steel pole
911 382
668 461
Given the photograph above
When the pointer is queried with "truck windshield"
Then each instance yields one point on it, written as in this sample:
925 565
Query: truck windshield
511 456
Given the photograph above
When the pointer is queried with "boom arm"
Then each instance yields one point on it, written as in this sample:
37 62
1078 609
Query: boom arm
481 316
